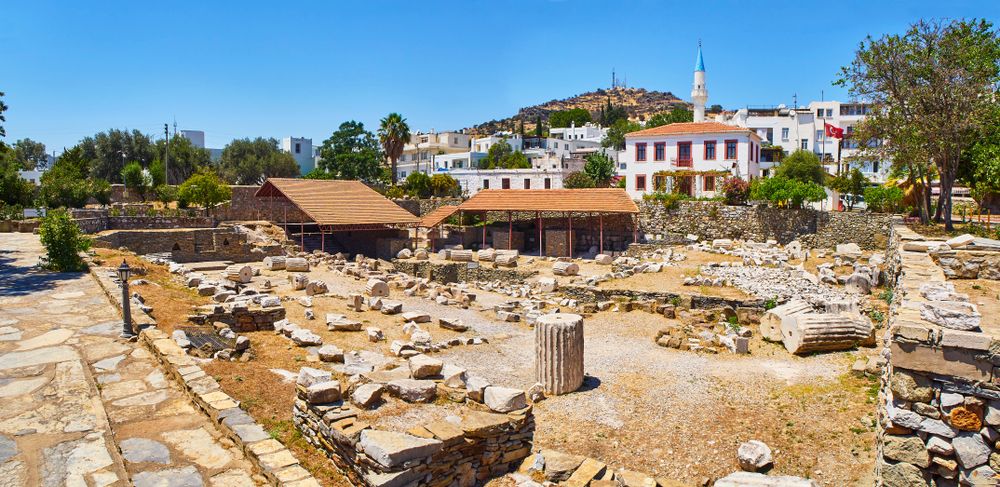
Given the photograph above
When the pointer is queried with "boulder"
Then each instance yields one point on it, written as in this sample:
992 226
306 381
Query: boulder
366 396
309 376
754 456
323 392
316 287
858 283
421 254
330 353
452 324
412 390
957 315
305 338
603 259
404 254
960 241
391 307
565 269
423 366
338 322
375 335
416 317
504 399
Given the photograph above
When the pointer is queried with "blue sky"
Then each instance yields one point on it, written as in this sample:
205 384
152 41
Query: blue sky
244 69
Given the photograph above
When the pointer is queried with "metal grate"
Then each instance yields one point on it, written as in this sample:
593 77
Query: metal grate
199 336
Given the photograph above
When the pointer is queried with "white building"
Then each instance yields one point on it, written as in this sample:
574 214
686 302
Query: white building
423 150
301 149
589 132
197 137
474 180
693 155
803 128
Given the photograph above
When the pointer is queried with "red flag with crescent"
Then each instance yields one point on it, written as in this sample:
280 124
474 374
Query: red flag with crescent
835 132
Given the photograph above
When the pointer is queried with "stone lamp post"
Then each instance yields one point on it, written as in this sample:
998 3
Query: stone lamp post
124 272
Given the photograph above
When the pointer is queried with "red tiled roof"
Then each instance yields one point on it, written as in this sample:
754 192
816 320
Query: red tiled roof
437 216
594 200
684 128
332 202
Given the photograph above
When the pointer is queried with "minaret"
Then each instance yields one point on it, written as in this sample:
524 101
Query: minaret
699 93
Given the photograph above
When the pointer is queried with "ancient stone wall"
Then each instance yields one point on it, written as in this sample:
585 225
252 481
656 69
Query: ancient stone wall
446 273
711 220
480 446
939 404
187 244
969 264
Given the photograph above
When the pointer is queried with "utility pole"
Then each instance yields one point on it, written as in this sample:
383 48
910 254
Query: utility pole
166 155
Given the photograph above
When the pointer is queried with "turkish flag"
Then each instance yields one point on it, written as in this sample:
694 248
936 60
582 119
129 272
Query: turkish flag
835 132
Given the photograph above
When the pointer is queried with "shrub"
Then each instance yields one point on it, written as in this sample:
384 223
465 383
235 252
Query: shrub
136 180
736 190
802 166
784 192
670 200
394 192
100 190
63 241
578 179
444 185
418 184
883 199
204 188
165 193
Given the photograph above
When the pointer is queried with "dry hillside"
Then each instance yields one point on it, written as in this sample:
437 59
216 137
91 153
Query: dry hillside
638 102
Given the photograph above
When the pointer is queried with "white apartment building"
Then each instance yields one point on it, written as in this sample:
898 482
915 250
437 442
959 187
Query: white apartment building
197 137
697 153
474 180
589 132
301 149
803 128
423 150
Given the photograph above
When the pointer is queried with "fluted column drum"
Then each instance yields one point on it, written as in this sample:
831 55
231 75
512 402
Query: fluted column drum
559 352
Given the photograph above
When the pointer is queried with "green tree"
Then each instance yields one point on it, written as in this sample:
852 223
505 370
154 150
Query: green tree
785 192
318 173
566 118
353 153
611 113
204 188
883 199
14 190
418 184
502 156
676 115
66 183
251 161
600 168
30 154
802 166
393 134
615 138
932 90
444 185
157 173
136 180
578 179
715 109
3 119
539 127
109 151
63 241
851 183
185 158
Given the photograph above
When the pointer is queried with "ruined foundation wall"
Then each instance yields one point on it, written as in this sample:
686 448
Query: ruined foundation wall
939 404
711 220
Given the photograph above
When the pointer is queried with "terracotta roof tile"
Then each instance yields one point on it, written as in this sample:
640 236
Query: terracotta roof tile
331 202
437 216
687 128
596 200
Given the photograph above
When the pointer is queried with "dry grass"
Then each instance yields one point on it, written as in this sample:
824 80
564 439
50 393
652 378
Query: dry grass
671 279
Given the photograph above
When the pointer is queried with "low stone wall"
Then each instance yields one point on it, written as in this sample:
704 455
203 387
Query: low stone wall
19 226
589 294
969 264
447 273
939 404
188 244
711 220
481 446
241 318
421 207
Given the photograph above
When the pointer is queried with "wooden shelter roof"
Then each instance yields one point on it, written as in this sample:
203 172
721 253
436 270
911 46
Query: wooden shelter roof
337 203
591 200
437 216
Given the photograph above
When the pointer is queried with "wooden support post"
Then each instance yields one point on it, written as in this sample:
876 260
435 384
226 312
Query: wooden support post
635 230
569 235
322 239
541 249
284 218
510 231
302 235
601 245
483 246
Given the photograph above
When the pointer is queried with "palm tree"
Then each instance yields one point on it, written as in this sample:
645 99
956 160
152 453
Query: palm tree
393 134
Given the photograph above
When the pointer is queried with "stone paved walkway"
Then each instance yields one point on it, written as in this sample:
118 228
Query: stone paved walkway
80 408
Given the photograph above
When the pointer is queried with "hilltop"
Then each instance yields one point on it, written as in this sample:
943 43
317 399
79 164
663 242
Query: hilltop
638 102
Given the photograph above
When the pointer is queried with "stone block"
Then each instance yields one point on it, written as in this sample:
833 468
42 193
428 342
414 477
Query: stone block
391 449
